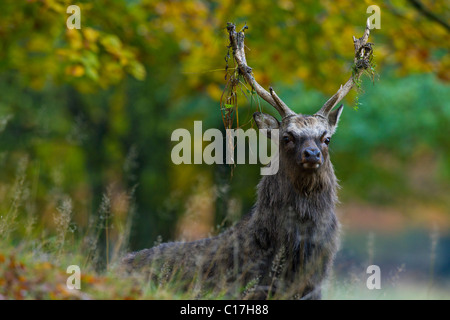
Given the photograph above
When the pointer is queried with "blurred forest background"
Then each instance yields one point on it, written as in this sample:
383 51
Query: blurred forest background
86 118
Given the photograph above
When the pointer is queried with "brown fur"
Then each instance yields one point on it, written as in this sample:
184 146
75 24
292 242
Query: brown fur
284 247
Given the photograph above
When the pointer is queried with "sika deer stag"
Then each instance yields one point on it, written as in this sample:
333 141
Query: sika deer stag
285 246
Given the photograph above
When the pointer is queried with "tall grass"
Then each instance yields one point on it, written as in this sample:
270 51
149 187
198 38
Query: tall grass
37 247
35 252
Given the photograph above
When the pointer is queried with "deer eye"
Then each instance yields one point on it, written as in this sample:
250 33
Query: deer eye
287 138
327 141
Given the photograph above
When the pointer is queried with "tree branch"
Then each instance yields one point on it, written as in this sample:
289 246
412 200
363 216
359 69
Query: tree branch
424 11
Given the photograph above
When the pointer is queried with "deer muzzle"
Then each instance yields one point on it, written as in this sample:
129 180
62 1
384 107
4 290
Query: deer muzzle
311 158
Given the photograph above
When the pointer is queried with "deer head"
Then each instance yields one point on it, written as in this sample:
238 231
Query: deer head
303 139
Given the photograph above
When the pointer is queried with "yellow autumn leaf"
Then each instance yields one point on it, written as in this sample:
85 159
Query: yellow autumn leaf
214 91
75 71
46 266
90 34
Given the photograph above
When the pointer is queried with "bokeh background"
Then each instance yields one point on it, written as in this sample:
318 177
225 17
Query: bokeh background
86 118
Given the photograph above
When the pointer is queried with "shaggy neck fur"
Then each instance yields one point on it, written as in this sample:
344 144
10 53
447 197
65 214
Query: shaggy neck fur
293 199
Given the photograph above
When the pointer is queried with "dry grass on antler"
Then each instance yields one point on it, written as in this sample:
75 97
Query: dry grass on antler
236 84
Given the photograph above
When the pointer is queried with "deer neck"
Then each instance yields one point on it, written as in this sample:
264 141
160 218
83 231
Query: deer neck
290 198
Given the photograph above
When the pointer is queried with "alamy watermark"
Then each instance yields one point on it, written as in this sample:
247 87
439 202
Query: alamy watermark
233 142
74 281
374 280
74 21
375 18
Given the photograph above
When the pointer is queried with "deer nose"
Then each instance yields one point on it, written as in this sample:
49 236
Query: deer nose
311 155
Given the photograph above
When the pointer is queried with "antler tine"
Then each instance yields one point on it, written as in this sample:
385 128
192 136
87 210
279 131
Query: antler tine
237 44
345 89
281 105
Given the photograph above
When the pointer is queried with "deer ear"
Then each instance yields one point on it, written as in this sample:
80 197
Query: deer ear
333 116
265 121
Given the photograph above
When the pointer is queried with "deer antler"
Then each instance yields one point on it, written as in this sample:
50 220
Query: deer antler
237 44
363 50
